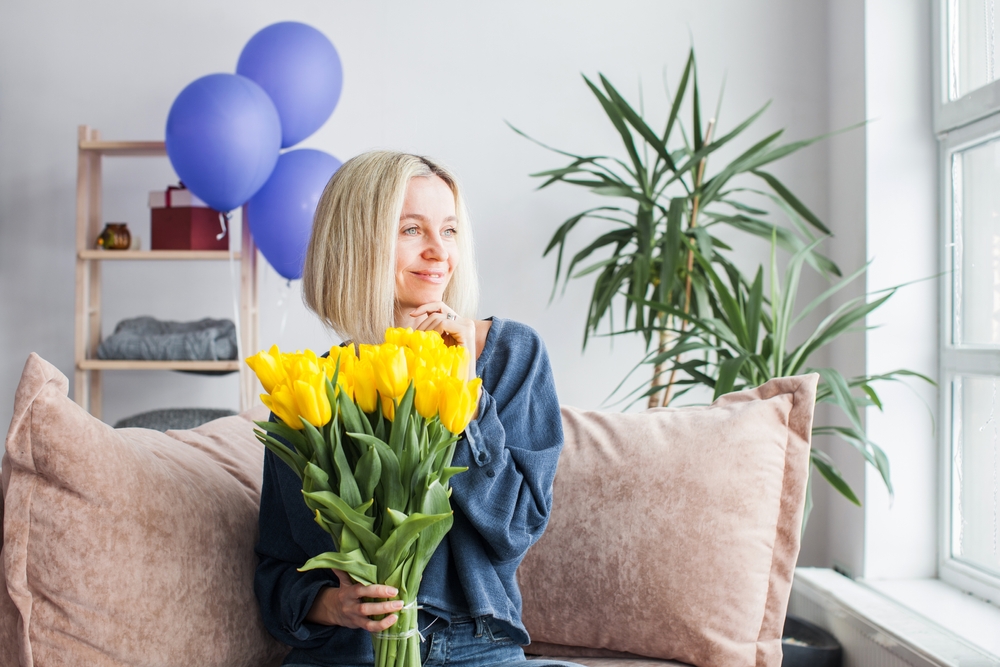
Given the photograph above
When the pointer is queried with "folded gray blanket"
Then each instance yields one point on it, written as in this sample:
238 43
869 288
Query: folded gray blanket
150 339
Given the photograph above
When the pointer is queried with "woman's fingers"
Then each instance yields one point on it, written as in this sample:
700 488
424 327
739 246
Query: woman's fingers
376 591
347 608
375 608
379 626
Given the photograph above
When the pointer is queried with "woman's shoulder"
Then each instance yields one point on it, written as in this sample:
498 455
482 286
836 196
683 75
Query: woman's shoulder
510 340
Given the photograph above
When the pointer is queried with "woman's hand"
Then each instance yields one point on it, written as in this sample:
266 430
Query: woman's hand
343 606
455 329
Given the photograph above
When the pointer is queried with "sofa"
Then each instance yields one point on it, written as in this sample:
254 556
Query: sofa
672 539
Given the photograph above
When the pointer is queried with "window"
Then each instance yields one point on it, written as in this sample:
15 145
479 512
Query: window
967 120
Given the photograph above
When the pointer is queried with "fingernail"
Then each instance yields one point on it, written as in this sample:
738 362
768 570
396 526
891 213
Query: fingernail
398 604
393 591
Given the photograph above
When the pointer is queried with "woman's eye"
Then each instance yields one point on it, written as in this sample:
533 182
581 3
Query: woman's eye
410 231
449 233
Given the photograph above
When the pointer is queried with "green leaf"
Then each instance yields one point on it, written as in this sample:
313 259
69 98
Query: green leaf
358 523
615 116
368 471
292 459
872 395
352 563
296 439
671 248
320 451
831 474
392 487
676 106
729 370
391 553
347 485
792 200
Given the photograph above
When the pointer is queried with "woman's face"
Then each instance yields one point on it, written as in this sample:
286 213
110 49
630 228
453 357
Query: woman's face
426 243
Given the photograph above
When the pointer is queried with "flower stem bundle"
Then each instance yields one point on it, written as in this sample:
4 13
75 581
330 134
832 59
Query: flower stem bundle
372 435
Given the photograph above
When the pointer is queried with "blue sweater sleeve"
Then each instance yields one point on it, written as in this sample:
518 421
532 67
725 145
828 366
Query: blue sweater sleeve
287 539
513 446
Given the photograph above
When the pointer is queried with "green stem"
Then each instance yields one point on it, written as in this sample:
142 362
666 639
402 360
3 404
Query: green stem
401 651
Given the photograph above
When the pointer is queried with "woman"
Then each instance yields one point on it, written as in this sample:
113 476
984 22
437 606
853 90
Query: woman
392 246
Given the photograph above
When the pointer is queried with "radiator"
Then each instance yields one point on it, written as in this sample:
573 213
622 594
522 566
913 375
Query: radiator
874 630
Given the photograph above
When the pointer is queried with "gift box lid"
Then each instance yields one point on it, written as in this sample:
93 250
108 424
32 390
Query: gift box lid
178 197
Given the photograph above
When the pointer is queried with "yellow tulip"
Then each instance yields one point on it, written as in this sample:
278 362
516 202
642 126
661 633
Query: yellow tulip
342 357
312 402
268 368
391 375
457 362
303 366
458 402
425 398
281 402
388 408
398 336
365 393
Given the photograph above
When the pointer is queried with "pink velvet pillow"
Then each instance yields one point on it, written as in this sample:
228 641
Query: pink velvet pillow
8 612
674 532
128 547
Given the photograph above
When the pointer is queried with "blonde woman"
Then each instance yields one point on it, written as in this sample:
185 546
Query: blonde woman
392 246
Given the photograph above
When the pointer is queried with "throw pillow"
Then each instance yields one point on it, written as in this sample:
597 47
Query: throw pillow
674 532
128 547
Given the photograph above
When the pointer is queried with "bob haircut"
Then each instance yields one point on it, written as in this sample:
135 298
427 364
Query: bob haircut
349 275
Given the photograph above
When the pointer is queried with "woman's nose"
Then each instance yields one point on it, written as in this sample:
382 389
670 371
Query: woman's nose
435 248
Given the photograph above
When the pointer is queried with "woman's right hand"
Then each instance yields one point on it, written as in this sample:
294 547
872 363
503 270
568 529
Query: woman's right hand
343 606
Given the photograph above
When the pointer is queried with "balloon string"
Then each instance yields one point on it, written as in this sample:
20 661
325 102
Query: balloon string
283 307
234 289
223 217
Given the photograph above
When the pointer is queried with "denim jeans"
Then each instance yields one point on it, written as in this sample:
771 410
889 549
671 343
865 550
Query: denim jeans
473 642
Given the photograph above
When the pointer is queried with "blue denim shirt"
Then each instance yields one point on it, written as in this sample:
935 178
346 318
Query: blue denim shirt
501 507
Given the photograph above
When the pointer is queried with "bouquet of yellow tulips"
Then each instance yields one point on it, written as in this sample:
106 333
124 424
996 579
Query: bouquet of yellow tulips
371 435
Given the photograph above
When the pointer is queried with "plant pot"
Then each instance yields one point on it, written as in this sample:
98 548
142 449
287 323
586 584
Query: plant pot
804 644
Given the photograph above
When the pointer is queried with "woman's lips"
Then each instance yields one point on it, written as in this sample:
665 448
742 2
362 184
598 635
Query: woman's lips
430 276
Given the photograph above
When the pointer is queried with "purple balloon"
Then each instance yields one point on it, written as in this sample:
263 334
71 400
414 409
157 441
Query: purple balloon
300 69
223 137
281 213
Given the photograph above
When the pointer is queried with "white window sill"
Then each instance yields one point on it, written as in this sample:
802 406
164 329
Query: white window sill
876 629
974 620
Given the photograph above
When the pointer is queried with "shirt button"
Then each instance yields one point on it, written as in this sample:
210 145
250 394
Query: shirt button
490 473
482 457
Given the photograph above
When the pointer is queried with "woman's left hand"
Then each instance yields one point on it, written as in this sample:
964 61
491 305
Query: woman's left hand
455 329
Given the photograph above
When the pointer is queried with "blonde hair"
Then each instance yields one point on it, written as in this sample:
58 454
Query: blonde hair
349 275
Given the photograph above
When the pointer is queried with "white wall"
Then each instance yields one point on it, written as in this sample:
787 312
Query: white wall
437 78
904 240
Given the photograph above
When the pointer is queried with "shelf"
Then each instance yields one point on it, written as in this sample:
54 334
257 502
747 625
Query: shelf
135 148
142 255
138 365
87 378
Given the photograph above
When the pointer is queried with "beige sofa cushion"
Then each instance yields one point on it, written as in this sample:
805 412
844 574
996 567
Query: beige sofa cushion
130 546
8 612
674 532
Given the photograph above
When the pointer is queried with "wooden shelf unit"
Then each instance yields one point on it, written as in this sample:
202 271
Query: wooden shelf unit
181 255
88 374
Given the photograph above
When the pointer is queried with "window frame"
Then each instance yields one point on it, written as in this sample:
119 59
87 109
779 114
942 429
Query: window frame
959 124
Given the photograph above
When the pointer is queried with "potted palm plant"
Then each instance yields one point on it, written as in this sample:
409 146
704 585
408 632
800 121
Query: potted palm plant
657 257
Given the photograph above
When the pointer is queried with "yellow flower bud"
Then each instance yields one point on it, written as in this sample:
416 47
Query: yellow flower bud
281 402
312 402
268 368
391 375
426 397
365 393
458 402
398 336
388 408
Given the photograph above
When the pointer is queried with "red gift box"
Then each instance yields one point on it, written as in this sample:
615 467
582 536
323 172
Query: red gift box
181 221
